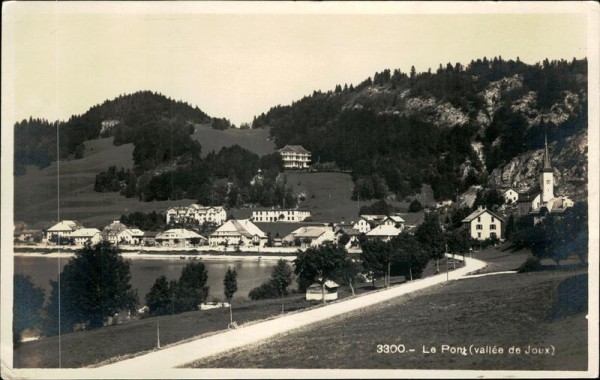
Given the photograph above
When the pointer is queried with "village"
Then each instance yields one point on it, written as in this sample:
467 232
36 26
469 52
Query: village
285 231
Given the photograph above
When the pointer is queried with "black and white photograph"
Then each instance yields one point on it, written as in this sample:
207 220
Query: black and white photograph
299 189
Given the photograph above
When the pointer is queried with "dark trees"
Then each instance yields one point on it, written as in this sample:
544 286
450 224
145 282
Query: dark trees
160 300
191 289
277 285
94 286
318 265
28 302
431 237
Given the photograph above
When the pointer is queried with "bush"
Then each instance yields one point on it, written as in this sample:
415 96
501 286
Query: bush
415 206
532 264
265 291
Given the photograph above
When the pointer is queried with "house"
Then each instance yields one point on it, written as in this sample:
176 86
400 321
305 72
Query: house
197 213
27 234
238 233
484 224
363 225
179 237
384 232
295 157
310 236
316 293
280 215
130 236
352 233
86 235
111 232
510 196
395 221
62 230
412 220
149 238
527 201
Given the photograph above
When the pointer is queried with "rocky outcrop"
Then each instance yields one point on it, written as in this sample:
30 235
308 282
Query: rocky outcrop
439 114
569 160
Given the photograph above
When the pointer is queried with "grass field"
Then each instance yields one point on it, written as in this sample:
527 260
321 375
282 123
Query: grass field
500 310
255 140
87 348
36 191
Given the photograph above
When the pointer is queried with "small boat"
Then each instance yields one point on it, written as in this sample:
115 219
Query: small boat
182 257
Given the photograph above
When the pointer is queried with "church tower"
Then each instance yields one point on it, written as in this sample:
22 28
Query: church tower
547 177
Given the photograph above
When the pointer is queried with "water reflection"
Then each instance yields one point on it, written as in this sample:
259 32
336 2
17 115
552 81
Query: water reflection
251 273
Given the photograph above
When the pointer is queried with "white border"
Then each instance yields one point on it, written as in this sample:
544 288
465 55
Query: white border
589 8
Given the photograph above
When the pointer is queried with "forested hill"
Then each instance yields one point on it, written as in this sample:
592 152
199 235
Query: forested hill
129 118
449 128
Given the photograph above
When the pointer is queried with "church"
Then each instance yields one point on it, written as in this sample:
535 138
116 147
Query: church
539 203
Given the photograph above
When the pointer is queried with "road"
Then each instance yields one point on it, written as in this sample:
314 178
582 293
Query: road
181 354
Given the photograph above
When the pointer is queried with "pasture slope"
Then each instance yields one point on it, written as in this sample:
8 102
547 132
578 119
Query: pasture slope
36 191
540 309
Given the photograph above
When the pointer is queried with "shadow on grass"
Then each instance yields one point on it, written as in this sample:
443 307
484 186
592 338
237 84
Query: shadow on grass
571 298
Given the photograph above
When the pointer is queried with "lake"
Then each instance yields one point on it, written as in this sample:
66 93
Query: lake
251 273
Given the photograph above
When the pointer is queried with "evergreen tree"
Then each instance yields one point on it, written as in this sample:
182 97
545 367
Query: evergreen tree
28 302
95 285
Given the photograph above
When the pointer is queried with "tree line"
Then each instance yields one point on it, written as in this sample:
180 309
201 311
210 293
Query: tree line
394 153
228 178
135 114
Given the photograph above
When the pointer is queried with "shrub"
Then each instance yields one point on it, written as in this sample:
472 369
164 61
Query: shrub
415 206
532 264
265 291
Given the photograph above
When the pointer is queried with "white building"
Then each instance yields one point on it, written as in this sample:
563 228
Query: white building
363 225
295 157
197 213
111 232
238 233
394 221
62 229
484 224
130 236
86 235
352 233
543 202
316 293
510 196
280 215
311 236
384 232
179 237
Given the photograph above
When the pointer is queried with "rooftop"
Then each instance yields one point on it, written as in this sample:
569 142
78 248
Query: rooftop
294 149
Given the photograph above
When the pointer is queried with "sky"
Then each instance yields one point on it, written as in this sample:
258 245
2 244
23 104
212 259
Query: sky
237 62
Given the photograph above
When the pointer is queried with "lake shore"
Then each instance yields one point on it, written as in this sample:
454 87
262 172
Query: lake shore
167 256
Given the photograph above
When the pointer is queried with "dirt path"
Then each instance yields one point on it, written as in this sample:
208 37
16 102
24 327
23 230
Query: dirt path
181 354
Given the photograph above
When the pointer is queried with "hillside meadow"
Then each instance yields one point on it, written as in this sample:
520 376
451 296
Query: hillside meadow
36 191
541 309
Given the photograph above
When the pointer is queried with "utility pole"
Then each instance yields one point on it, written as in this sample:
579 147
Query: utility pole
158 332
58 238
388 274
447 270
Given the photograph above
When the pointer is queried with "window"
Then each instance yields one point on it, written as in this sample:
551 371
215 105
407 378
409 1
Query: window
479 234
493 220
492 226
479 218
479 226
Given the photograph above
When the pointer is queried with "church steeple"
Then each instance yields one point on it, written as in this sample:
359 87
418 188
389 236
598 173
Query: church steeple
547 177
547 166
